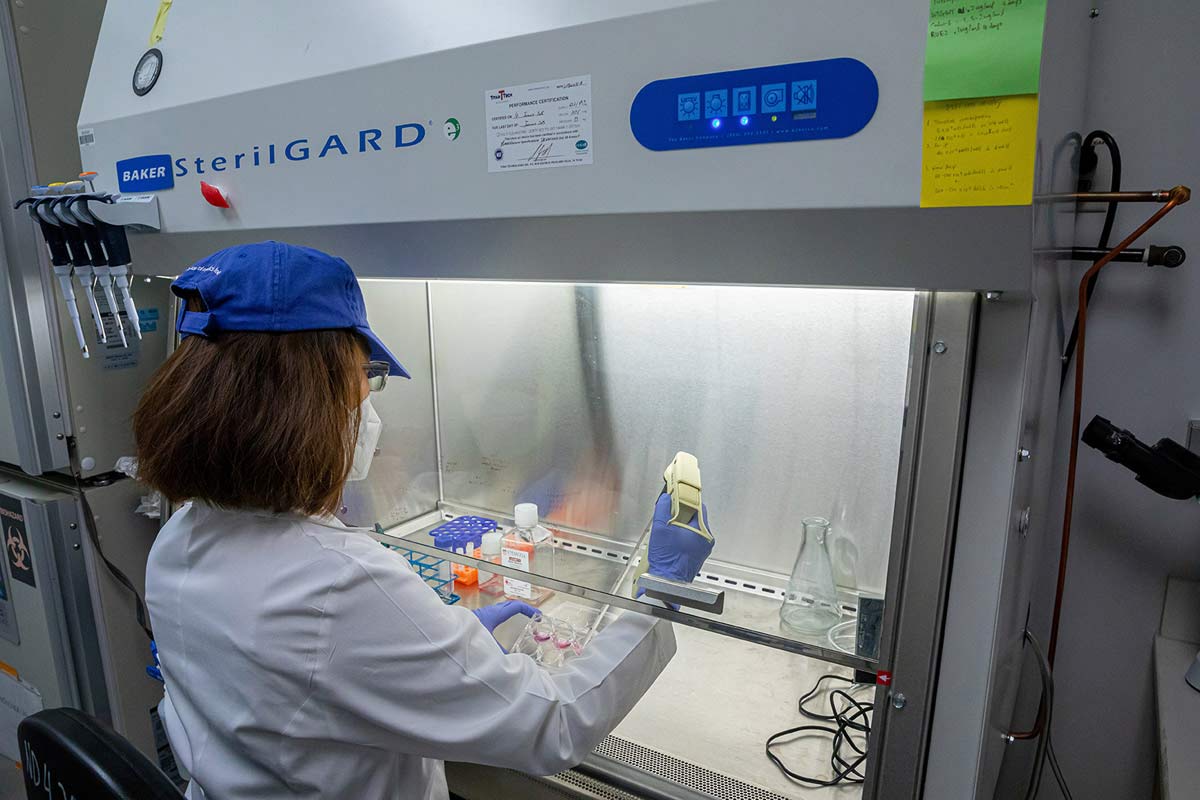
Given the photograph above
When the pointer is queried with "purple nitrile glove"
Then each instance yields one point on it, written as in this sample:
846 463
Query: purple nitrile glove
676 553
493 616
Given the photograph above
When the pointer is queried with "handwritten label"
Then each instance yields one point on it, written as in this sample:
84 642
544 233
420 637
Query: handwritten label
985 48
539 125
517 559
979 152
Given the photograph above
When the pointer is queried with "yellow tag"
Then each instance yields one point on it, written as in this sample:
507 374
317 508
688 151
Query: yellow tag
979 152
160 22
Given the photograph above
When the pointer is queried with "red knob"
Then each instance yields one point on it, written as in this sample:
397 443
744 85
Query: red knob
215 195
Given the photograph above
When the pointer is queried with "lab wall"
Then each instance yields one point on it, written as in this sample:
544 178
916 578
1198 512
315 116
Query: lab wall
1142 340
55 42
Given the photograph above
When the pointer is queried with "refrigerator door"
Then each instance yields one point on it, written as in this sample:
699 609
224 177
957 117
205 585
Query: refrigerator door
66 625
47 634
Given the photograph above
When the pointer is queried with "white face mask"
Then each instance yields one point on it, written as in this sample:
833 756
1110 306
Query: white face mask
370 426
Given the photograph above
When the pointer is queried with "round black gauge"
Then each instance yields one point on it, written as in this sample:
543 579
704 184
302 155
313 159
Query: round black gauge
146 73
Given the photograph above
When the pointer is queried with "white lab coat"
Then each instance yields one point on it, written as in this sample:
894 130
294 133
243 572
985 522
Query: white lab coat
303 659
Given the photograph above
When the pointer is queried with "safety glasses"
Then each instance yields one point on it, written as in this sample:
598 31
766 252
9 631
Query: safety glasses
377 374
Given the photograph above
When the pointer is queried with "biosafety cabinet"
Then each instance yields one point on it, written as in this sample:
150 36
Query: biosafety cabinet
597 236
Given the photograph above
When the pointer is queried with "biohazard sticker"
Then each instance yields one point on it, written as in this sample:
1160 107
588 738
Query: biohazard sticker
16 541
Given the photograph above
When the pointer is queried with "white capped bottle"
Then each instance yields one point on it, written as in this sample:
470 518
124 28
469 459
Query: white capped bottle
489 548
528 547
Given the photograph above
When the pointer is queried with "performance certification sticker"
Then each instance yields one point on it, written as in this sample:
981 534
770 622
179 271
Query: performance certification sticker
539 125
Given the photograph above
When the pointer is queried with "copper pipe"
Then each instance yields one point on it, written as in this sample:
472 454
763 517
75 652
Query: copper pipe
1045 702
1155 196
1176 197
1039 725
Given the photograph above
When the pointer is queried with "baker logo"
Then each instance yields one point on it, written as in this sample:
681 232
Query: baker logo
146 173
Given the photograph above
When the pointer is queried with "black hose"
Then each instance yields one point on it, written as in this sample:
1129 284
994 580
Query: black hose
1058 773
1110 217
1039 758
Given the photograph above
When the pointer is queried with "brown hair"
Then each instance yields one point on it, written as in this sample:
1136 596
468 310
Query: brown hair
253 420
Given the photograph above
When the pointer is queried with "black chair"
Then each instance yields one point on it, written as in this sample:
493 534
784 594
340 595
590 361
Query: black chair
66 752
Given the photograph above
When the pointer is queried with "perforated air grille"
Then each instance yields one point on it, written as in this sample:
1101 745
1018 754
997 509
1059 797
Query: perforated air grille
580 784
683 773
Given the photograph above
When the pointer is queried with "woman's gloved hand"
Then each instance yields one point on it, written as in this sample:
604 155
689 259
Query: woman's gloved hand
676 553
493 616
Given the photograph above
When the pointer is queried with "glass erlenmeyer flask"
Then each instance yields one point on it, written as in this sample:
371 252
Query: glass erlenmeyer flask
810 605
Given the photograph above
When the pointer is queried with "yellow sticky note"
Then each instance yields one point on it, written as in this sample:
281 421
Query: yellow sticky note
160 22
979 152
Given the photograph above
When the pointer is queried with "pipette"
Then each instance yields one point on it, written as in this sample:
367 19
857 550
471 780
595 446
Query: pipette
60 259
121 276
681 483
83 256
92 237
116 246
105 273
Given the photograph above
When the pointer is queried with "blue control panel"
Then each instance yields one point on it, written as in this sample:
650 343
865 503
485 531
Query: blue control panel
828 99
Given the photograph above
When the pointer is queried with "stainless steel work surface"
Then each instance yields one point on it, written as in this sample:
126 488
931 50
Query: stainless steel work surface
718 701
588 567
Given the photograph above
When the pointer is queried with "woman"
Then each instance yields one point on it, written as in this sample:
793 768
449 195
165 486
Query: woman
301 659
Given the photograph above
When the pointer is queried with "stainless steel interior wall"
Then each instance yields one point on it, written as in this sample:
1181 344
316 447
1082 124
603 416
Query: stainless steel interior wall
403 480
576 397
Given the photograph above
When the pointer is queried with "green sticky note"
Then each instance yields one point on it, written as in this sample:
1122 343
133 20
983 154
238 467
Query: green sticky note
985 48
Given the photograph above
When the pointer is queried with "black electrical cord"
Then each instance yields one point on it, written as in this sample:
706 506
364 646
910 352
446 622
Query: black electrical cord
1047 706
1045 751
1057 770
851 723
121 577
1088 155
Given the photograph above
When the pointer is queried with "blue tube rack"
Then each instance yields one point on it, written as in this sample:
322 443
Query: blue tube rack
428 568
463 529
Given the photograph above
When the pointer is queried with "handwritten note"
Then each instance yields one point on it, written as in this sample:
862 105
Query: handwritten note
979 152
983 48
539 125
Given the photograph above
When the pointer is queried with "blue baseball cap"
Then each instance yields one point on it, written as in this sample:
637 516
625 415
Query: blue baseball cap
274 286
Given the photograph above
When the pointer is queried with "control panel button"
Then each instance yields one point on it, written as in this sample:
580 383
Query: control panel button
744 100
689 106
774 98
716 103
804 95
